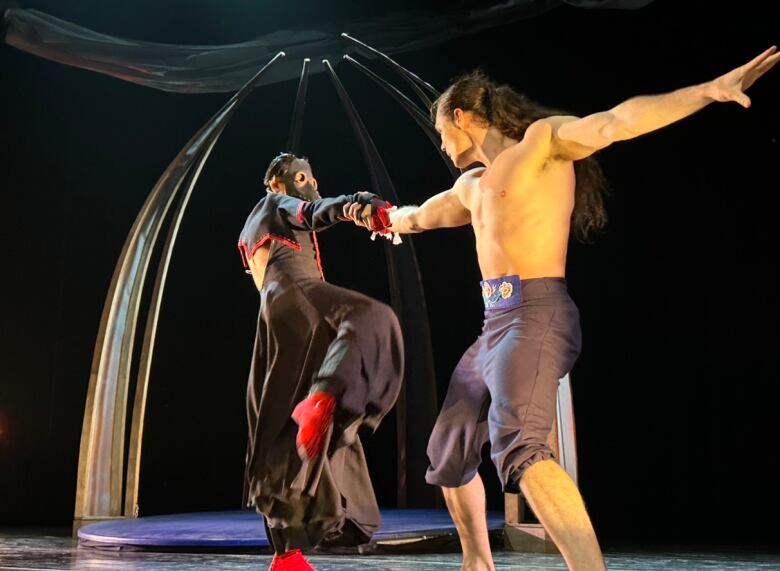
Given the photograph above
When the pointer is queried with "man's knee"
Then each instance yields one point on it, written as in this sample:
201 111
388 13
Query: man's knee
382 312
513 467
449 479
373 315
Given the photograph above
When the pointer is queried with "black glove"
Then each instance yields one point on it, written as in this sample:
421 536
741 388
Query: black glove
369 199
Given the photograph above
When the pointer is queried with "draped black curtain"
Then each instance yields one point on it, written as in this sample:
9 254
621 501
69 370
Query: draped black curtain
220 68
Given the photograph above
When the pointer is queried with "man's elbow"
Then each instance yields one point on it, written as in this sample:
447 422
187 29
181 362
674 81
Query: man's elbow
415 226
407 227
407 220
618 129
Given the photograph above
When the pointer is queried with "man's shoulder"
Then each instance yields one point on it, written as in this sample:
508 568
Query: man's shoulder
534 149
470 176
538 134
268 217
264 209
264 200
467 182
554 121
272 200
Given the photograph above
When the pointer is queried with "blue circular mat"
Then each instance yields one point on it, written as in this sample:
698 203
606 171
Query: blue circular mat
245 529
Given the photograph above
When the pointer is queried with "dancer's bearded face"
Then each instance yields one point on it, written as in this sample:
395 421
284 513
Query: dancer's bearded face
300 182
455 141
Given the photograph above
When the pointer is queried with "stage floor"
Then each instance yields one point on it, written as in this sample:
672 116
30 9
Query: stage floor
35 551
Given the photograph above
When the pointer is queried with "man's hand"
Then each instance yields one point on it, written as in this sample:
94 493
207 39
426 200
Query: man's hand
368 212
359 214
314 416
732 86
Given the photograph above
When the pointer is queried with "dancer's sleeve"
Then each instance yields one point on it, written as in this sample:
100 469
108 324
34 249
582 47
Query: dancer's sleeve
323 213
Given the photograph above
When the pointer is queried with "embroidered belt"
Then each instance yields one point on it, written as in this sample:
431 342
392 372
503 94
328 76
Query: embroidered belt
502 293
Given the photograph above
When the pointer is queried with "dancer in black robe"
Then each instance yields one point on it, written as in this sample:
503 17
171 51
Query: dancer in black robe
330 357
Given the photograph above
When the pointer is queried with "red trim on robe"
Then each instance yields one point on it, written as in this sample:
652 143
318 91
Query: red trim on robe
299 214
317 254
242 252
246 253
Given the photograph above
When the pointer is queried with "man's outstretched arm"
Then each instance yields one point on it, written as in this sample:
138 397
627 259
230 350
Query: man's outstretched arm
323 213
443 210
576 138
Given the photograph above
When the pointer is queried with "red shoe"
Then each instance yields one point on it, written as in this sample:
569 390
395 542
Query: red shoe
314 416
290 561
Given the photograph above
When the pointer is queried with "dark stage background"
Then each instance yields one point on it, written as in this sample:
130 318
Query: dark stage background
676 425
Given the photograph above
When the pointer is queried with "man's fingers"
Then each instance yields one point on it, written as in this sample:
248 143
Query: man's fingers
752 75
350 212
768 64
353 210
357 213
367 217
761 57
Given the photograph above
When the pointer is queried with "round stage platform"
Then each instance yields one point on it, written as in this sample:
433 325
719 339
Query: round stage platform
244 530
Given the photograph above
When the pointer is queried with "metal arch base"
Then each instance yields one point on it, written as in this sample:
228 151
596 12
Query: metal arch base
99 489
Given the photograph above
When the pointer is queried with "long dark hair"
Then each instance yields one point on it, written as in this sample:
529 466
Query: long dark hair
511 113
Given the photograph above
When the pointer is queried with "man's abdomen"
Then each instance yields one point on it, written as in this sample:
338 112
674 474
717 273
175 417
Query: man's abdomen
519 254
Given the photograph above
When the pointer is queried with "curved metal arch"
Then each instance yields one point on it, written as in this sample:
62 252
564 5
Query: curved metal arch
418 85
101 455
296 125
421 119
418 395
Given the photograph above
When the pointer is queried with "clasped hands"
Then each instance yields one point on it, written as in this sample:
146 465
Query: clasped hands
368 211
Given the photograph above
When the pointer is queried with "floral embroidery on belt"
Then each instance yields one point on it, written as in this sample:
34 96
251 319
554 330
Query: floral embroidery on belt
502 293
493 294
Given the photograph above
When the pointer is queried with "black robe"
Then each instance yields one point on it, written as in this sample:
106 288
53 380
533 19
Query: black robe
312 335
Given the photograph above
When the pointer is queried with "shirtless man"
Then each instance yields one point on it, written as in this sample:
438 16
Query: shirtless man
538 183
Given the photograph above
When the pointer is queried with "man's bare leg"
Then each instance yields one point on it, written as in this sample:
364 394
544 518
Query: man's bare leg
467 508
557 503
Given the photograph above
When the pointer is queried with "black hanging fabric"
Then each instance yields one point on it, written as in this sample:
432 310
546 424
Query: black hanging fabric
220 68
417 405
